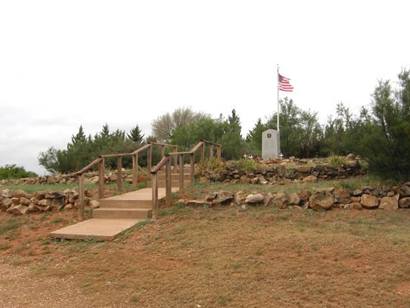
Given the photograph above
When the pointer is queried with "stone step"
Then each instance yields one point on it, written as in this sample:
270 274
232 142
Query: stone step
125 213
95 228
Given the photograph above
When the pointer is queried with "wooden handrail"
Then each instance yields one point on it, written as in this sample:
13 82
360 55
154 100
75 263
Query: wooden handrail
211 143
161 164
86 168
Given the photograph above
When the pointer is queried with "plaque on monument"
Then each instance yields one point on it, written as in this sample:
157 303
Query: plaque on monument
270 144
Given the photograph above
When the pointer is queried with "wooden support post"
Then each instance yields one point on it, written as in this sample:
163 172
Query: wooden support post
192 175
119 174
203 152
154 180
219 152
175 158
211 151
134 170
101 179
181 173
81 191
168 183
149 158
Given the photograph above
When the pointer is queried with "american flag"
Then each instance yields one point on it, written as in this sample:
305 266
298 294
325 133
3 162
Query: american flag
283 84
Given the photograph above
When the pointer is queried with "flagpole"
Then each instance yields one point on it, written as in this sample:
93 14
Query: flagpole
277 89
278 109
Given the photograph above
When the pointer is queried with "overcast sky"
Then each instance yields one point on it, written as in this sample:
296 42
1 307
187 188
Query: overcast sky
67 63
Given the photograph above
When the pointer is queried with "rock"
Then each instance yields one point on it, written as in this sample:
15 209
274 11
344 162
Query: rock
355 206
357 193
369 201
224 197
254 198
68 206
94 204
25 201
15 200
6 203
262 180
239 197
17 209
351 156
244 179
355 199
268 199
281 200
5 193
211 196
20 193
342 196
254 180
389 203
404 202
304 196
303 169
294 199
321 200
32 208
44 203
93 179
404 190
310 178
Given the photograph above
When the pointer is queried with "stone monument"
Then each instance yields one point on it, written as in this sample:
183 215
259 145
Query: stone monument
270 144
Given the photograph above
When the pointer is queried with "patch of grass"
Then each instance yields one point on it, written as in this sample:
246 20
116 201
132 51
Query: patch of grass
177 209
337 161
58 220
11 225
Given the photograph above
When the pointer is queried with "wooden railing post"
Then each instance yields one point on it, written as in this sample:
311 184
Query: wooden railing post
101 180
219 152
211 151
149 158
192 175
168 182
203 152
135 169
181 172
175 158
81 191
119 174
154 179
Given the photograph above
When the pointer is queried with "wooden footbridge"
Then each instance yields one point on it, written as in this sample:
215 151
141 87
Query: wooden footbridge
119 213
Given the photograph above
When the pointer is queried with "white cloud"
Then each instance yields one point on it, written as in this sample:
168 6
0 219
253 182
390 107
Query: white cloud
63 64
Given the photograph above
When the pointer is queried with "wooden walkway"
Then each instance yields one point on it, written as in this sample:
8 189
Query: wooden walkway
115 215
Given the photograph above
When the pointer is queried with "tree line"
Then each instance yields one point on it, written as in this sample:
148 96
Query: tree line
380 133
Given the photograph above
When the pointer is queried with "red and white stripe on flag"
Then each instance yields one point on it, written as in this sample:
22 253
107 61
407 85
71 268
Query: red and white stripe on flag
284 84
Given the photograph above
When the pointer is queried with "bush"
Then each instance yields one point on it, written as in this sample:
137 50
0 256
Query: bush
14 172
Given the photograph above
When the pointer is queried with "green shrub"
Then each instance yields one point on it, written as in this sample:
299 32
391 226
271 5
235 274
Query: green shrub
337 161
247 165
14 172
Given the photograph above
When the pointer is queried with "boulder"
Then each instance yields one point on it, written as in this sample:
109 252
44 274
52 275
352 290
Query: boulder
239 197
17 209
281 200
20 193
211 196
44 203
32 208
321 200
94 204
304 196
268 199
369 201
404 190
224 197
342 196
25 201
15 200
357 193
404 202
6 203
294 199
389 203
196 203
355 206
254 199
350 156
310 178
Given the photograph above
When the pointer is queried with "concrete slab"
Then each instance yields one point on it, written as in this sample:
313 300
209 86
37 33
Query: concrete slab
141 194
95 228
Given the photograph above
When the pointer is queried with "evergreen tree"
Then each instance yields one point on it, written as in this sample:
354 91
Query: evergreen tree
136 135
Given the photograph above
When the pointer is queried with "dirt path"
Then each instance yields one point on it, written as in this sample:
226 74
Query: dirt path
20 288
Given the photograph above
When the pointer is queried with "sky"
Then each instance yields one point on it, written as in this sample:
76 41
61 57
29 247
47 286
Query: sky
69 63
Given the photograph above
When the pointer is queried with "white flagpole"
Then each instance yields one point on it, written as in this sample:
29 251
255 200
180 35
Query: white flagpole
278 110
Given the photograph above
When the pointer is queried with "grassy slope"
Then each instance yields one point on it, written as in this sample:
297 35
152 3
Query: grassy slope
225 258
